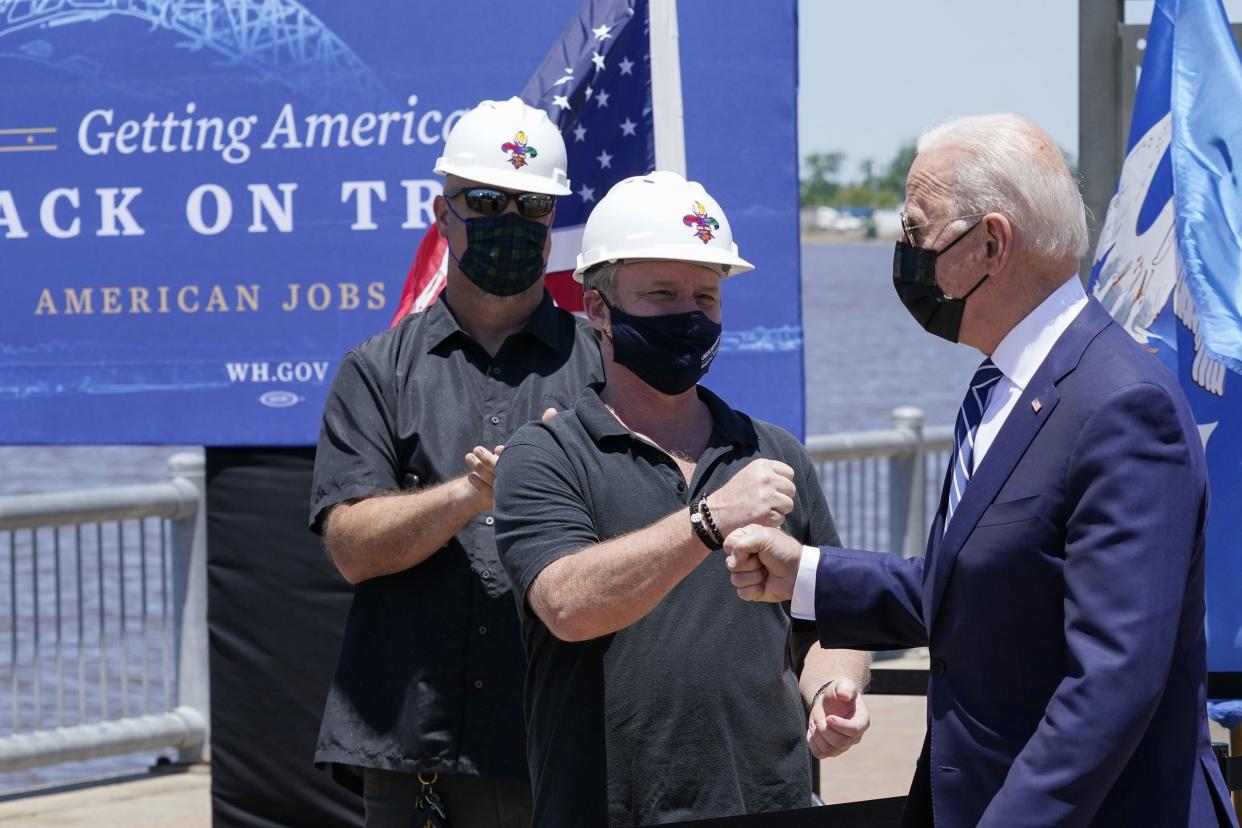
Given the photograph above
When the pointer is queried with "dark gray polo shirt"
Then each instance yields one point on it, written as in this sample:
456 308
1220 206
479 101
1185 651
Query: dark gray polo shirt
694 710
431 669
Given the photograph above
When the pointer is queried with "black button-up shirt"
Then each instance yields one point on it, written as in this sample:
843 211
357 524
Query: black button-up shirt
431 669
692 711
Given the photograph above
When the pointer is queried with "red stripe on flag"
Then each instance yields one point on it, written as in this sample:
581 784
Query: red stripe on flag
565 291
421 284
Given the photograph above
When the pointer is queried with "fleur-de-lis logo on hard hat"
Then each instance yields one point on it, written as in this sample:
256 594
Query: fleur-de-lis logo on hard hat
702 223
518 150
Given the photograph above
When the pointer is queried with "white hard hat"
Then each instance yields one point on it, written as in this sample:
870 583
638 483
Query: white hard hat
507 144
660 216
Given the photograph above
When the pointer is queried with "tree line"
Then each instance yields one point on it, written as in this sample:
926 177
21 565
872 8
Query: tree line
823 182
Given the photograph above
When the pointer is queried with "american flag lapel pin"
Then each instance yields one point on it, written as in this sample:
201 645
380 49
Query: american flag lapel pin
1036 405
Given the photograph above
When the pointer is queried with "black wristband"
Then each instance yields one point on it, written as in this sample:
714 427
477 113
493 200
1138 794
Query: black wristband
707 518
705 535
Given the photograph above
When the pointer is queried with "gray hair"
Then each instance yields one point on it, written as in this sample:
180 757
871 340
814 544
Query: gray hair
1010 166
600 277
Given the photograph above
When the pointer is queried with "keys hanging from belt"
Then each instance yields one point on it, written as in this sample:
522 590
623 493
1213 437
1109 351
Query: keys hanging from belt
428 809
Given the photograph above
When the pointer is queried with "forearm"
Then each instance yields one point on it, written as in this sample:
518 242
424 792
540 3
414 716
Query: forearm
390 533
608 586
823 665
869 600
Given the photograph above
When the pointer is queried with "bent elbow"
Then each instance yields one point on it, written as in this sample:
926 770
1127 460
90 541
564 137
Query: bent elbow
562 621
351 576
571 629
347 565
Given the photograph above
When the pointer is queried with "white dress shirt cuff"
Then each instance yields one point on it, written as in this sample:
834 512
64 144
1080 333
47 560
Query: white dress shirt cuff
803 604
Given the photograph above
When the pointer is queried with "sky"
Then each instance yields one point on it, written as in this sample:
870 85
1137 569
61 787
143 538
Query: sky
874 74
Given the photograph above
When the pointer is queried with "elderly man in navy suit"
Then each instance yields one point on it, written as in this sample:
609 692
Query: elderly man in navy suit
1061 594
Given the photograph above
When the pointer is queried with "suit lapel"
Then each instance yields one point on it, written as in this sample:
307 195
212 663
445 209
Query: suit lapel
1012 442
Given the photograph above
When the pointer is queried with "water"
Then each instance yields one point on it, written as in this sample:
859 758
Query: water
864 355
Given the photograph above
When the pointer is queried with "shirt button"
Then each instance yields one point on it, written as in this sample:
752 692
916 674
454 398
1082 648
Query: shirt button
495 420
489 520
487 574
478 684
482 630
938 666
495 370
681 487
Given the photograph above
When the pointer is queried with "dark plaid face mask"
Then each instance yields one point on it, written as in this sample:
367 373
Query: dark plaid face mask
504 253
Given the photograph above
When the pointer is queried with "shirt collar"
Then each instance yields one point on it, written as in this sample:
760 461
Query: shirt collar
600 422
543 324
1028 344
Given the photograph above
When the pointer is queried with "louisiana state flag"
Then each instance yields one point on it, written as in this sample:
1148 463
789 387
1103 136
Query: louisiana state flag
1169 266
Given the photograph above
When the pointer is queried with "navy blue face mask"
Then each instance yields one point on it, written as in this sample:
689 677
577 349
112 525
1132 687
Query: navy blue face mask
914 277
671 352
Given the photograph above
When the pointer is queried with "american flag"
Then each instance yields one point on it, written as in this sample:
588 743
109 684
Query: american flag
595 84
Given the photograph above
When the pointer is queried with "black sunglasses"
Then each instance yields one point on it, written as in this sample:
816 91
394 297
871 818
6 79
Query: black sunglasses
491 202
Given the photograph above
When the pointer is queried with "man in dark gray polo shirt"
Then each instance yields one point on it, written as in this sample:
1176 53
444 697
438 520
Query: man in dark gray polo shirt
428 687
653 695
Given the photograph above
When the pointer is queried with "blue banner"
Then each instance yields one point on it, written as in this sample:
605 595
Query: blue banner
203 205
1168 264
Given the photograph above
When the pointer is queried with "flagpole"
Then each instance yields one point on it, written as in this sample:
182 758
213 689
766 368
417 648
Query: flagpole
667 115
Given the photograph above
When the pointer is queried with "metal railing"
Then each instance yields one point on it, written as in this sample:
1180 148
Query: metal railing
106 621
883 486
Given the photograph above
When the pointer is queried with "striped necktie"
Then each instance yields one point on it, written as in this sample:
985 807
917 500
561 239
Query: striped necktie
968 419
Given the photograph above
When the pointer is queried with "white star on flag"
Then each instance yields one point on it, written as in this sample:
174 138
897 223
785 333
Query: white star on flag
578 86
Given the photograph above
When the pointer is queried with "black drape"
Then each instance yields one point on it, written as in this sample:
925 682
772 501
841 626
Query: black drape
276 608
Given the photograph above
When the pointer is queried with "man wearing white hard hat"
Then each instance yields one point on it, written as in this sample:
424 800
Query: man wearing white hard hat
424 715
651 696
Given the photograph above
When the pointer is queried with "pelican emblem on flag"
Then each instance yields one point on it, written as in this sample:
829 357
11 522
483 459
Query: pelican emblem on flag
518 150
702 223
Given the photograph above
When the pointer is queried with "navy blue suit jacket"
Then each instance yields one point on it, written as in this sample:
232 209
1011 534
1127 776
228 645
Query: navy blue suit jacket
1063 608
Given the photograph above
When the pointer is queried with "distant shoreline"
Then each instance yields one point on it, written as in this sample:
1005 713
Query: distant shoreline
831 238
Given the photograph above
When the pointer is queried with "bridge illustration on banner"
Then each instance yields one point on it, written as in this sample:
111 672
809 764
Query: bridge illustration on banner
280 40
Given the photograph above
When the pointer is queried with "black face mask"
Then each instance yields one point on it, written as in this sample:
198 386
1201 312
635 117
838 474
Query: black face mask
504 253
671 353
914 277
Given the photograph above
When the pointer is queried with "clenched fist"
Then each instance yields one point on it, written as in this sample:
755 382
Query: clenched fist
764 563
762 493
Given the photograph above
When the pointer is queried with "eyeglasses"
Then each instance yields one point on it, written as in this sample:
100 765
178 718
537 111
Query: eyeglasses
908 229
491 202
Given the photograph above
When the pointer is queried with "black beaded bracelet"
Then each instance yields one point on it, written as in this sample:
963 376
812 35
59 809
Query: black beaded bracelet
706 536
707 518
